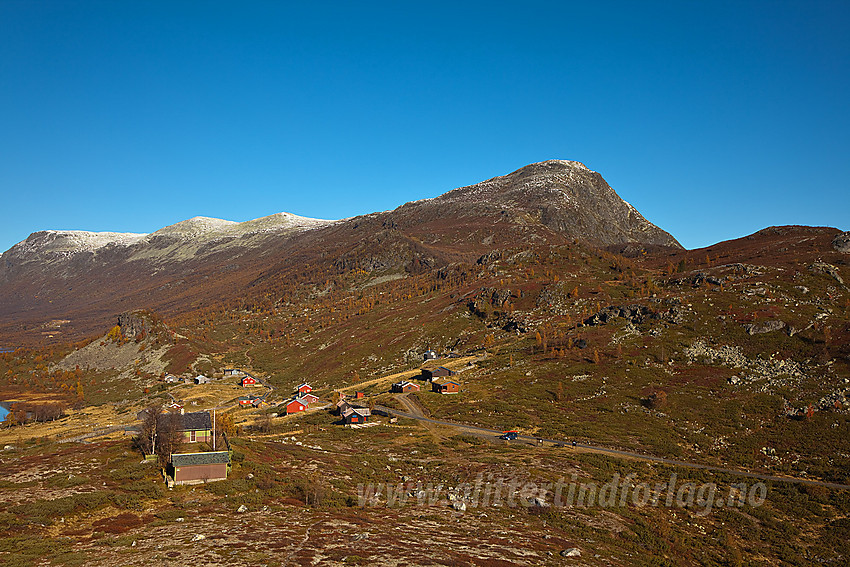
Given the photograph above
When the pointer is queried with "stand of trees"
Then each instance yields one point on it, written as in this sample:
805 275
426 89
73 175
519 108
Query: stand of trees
25 412
159 434
168 436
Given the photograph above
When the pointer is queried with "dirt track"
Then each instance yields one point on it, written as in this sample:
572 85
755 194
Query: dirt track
527 439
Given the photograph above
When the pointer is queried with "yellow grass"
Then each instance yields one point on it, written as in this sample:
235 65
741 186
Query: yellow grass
93 418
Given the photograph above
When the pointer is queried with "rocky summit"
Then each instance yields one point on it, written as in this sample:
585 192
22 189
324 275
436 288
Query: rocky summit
563 195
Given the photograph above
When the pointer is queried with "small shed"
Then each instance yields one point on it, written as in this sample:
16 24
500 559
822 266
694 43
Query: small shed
295 406
201 379
430 355
248 381
171 379
441 372
247 400
356 415
232 372
359 395
195 468
447 387
304 388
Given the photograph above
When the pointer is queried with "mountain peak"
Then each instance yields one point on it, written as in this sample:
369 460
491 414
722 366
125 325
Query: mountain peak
564 195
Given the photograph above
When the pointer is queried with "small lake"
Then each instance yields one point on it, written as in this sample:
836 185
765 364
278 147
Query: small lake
4 410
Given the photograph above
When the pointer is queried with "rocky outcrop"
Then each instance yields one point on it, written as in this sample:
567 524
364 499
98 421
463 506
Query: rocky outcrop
768 373
636 314
139 324
766 327
841 242
838 399
828 269
489 304
701 278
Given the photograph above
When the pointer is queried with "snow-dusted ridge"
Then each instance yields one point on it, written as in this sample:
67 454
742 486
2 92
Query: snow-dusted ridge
192 233
212 227
72 241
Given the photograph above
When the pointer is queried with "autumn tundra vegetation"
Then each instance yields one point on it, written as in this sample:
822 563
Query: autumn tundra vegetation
714 372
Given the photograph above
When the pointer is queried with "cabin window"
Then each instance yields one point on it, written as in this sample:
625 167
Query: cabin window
191 436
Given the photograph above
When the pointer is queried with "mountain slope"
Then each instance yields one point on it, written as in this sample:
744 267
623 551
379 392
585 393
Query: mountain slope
86 278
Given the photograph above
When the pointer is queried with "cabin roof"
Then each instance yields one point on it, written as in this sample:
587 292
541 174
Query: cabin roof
191 421
209 458
364 412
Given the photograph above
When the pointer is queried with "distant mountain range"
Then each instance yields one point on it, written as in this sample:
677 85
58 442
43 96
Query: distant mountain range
84 277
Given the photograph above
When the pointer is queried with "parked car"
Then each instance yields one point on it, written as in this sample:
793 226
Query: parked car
509 435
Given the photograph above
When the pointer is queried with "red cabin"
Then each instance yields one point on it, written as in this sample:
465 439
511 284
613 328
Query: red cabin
294 406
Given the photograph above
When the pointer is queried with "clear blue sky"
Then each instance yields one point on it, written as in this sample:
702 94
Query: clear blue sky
714 119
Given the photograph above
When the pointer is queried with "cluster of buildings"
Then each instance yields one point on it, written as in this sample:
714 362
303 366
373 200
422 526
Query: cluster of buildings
199 379
196 427
202 379
440 379
246 380
302 399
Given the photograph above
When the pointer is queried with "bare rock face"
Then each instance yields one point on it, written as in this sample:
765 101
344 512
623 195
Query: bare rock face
841 242
136 323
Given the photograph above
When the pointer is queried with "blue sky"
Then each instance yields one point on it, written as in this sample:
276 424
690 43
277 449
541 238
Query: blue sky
714 119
